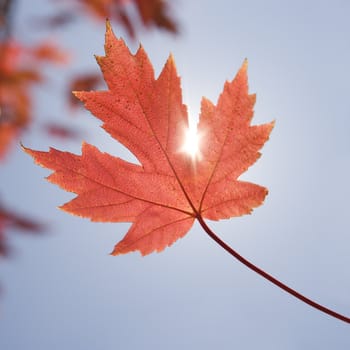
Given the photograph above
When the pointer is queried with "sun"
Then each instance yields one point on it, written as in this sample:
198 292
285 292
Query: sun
191 142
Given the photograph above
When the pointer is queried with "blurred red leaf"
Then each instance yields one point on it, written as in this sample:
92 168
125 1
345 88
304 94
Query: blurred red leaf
7 133
3 246
50 53
20 222
150 12
155 12
12 220
55 21
20 69
5 7
60 131
86 81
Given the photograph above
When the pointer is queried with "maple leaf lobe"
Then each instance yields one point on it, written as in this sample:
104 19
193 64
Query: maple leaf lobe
163 195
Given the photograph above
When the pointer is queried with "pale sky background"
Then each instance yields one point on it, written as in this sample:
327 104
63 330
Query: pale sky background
62 290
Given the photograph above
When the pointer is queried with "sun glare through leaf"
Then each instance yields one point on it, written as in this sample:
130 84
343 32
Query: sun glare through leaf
191 141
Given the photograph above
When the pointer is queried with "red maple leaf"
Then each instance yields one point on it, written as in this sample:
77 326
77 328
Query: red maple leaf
169 190
163 195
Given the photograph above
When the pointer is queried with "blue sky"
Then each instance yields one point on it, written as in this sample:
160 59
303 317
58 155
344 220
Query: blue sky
63 291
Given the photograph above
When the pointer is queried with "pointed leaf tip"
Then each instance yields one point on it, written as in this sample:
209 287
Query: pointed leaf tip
171 58
108 25
244 66
171 61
